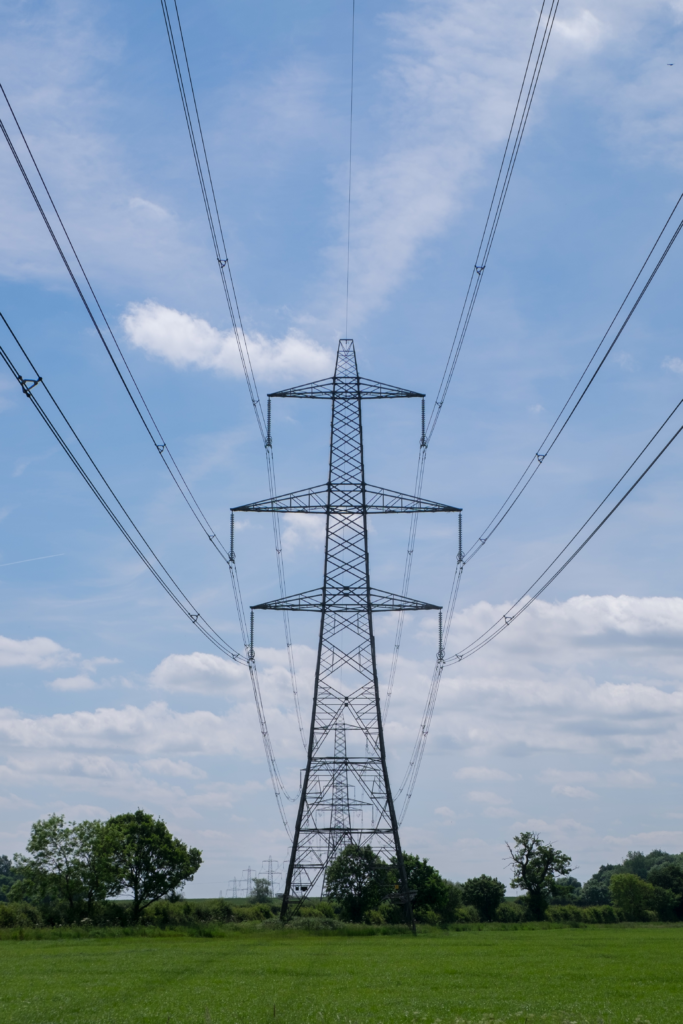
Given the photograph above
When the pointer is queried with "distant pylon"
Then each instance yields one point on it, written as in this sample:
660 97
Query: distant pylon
346 795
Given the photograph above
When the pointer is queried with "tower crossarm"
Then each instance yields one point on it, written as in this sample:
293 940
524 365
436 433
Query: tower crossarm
346 499
346 599
346 388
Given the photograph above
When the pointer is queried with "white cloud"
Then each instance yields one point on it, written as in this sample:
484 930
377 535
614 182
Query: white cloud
173 769
199 673
579 792
589 676
185 340
674 363
584 31
484 774
148 208
40 652
153 730
74 683
302 531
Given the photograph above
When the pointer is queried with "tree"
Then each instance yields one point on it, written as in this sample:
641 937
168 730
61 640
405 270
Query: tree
484 893
595 892
8 876
261 891
152 862
357 881
536 866
669 876
433 894
71 867
631 894
568 891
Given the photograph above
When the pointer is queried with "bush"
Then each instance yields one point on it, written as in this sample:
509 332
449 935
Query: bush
585 915
19 915
467 915
509 912
484 893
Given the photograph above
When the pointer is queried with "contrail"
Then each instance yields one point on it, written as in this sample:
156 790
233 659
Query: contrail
23 560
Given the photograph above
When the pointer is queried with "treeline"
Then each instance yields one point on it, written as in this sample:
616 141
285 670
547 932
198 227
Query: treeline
72 874
74 870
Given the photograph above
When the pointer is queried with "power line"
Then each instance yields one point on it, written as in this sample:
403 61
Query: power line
158 440
559 424
141 546
520 117
528 598
201 161
348 211
146 417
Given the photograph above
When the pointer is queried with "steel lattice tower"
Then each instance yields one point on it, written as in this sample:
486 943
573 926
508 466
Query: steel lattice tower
346 795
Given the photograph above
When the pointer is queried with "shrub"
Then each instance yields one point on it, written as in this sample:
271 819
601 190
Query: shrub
509 911
19 915
484 893
467 915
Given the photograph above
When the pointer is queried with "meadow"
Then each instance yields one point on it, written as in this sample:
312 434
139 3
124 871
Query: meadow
599 974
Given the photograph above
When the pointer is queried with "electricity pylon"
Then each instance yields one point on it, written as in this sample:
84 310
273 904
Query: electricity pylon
345 796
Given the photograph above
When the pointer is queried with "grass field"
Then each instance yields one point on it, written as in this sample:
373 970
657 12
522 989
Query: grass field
610 974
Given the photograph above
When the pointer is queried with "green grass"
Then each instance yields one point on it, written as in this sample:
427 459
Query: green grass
610 974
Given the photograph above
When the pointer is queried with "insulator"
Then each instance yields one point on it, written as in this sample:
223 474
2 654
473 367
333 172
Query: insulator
460 555
232 537
251 637
423 438
269 439
440 654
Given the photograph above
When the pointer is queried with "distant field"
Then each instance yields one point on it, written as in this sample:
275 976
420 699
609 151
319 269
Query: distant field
610 974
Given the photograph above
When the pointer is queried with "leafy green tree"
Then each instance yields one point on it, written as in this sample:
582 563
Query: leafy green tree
260 891
8 876
357 881
433 894
71 867
631 894
596 892
536 866
568 891
484 893
669 876
152 863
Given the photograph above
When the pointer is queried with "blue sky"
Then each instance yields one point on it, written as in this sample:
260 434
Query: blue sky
571 722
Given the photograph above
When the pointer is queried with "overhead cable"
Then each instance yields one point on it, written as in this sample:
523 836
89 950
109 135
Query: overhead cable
31 388
520 117
542 582
160 444
203 168
572 403
131 386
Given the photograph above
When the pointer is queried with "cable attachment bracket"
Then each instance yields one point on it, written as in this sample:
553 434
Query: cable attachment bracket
540 457
27 385
161 448
194 617
508 619
480 268
222 263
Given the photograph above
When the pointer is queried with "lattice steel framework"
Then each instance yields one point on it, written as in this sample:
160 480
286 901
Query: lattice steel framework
346 795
